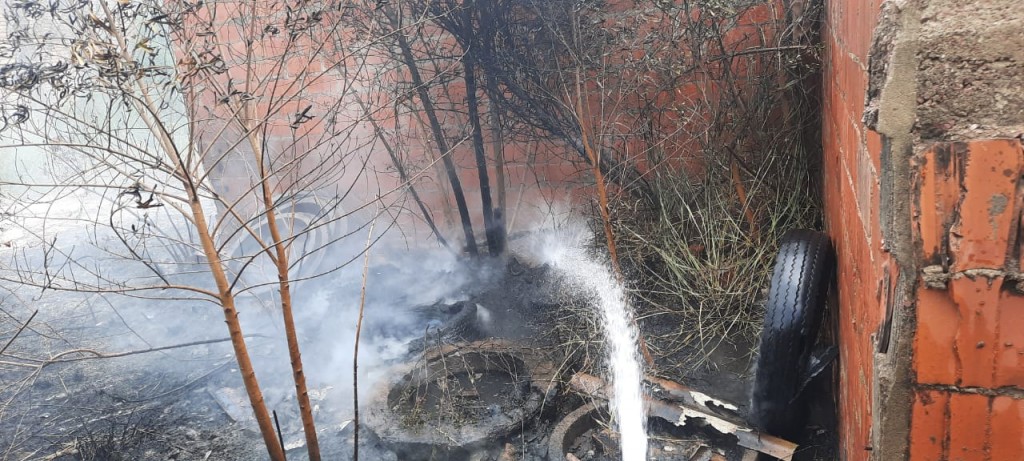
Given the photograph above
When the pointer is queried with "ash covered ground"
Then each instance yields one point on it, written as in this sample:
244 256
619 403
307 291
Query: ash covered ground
65 397
88 402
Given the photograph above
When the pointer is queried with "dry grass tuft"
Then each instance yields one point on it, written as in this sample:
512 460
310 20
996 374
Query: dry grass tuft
703 261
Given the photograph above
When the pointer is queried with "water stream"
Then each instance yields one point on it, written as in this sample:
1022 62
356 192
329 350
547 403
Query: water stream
621 345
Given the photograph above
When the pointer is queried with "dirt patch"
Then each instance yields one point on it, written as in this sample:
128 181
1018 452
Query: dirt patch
121 409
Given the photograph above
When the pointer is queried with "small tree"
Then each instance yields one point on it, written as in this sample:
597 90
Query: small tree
519 61
440 86
218 137
409 70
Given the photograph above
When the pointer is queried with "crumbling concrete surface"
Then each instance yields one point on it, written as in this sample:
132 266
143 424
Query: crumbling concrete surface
970 69
965 68
942 93
891 112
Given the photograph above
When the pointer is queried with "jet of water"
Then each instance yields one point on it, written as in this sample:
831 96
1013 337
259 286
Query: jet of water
588 273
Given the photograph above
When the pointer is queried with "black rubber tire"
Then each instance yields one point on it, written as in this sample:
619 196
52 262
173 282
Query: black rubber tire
796 301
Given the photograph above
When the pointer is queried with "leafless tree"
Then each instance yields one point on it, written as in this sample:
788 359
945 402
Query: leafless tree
512 66
217 139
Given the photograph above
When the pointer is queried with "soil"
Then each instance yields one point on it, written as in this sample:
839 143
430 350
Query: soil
119 409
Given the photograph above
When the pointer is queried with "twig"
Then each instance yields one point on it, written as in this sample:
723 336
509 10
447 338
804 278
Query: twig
602 195
355 351
403 175
757 51
99 355
22 328
741 193
68 449
280 437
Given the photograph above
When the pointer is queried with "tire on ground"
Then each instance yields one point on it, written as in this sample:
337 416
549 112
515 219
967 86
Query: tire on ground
796 300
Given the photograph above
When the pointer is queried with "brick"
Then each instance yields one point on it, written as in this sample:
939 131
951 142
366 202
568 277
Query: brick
929 425
986 211
1009 349
962 339
939 185
936 359
874 146
977 302
862 25
1007 428
876 231
968 198
969 427
859 316
867 193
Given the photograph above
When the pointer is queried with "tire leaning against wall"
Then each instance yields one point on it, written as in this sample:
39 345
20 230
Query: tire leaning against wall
796 301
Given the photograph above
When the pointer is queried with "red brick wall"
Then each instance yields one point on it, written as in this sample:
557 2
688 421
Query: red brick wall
537 174
969 347
851 166
964 386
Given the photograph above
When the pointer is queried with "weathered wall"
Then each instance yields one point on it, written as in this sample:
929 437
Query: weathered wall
851 183
923 169
646 119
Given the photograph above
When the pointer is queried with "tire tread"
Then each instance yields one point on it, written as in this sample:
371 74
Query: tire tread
793 313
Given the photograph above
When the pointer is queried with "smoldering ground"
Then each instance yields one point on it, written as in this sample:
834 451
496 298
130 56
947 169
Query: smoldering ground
60 389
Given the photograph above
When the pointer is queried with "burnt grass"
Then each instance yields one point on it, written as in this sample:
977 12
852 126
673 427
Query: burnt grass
147 406
118 409
161 405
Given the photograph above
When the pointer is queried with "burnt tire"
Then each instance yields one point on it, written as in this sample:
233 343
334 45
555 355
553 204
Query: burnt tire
461 326
796 301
